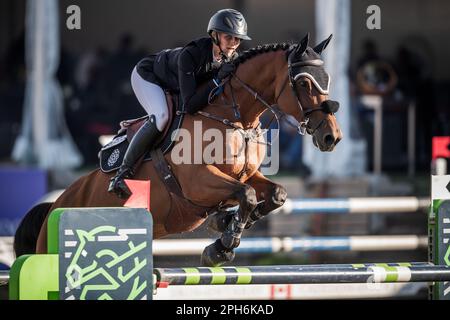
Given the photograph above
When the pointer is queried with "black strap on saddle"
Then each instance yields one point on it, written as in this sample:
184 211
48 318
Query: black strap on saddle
164 171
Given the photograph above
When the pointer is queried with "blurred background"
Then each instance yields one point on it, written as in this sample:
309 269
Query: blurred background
393 85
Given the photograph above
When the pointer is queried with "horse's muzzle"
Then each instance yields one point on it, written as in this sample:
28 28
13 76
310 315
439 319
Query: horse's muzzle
327 142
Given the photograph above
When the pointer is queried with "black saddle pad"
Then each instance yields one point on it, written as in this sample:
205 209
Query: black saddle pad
112 154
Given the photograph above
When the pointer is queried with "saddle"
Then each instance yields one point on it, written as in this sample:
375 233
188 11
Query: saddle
112 154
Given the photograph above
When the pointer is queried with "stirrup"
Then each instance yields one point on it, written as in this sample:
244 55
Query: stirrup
117 183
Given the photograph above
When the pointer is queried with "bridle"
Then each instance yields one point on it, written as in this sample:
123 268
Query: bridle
327 106
254 133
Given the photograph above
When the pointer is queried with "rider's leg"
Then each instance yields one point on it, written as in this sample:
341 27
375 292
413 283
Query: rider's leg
141 142
152 98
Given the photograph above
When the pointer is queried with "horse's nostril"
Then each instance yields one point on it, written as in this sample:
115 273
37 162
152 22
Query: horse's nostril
328 140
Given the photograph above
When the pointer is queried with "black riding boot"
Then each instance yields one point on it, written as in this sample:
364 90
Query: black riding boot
144 138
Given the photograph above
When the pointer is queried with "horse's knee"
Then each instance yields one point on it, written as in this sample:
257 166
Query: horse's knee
248 198
279 196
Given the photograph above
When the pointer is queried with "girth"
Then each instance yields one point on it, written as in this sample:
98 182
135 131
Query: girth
165 173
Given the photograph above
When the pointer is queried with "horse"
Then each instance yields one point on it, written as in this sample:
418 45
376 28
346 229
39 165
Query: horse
287 79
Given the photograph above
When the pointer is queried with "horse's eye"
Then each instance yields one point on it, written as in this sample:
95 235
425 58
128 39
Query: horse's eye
303 83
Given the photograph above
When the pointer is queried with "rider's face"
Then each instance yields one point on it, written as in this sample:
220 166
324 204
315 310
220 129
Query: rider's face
228 43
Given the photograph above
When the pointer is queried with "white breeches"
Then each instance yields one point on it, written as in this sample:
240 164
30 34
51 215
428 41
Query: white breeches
152 99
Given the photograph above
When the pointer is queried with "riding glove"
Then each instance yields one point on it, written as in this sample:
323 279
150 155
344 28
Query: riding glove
225 70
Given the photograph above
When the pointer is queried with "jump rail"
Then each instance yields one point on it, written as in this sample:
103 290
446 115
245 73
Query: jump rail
170 247
4 277
354 205
297 274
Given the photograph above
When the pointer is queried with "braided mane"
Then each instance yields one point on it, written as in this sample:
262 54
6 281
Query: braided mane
250 53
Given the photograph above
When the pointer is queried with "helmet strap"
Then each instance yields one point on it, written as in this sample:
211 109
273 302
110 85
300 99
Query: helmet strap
217 43
215 39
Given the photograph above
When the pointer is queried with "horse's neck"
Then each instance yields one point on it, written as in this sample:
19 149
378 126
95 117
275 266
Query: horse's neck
259 73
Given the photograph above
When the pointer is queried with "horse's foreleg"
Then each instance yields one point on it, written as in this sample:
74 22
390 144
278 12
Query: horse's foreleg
231 237
270 197
212 187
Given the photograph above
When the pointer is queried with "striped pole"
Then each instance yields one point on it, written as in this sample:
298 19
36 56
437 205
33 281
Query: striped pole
4 277
439 230
354 205
170 247
294 274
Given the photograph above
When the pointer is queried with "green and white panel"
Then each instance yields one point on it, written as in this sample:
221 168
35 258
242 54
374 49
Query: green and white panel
440 230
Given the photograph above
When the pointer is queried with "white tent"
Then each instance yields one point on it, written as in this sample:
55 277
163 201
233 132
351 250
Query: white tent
348 158
44 140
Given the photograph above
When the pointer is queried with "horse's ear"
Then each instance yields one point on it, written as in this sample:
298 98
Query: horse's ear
302 46
321 46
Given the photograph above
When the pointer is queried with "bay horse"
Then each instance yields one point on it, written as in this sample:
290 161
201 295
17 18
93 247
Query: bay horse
286 79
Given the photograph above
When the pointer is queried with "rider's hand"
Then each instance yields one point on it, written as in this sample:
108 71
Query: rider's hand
225 70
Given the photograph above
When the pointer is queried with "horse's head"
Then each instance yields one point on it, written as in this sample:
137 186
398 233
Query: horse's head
308 100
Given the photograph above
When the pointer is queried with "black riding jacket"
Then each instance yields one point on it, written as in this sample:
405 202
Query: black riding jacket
188 70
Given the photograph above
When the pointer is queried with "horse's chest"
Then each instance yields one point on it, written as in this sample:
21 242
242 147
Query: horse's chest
244 155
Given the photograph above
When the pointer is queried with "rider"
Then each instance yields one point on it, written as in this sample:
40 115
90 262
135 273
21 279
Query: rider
184 70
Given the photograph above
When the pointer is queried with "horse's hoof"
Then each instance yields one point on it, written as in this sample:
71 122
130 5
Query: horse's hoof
219 221
216 255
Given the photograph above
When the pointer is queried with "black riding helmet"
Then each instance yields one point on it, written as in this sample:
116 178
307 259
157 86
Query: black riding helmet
229 21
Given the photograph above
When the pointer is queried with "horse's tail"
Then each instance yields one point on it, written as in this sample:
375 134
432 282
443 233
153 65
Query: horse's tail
28 231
